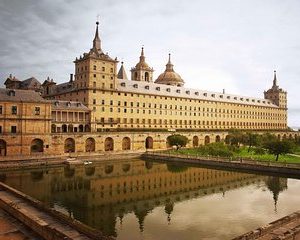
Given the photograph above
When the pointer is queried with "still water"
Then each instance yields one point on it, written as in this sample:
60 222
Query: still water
134 199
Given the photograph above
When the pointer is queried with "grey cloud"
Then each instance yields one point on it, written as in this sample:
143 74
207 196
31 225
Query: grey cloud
233 43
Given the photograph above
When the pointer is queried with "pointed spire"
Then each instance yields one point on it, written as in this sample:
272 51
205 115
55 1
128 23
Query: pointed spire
275 79
97 41
142 57
122 73
169 65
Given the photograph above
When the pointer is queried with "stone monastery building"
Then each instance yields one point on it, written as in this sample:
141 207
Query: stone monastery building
100 109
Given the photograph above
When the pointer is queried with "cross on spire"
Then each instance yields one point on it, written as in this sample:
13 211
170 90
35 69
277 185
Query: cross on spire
275 79
97 41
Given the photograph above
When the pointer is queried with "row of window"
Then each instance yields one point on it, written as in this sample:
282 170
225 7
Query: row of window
13 129
182 113
176 107
187 122
85 68
14 110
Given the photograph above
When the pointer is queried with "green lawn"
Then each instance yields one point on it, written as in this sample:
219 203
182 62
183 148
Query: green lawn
245 154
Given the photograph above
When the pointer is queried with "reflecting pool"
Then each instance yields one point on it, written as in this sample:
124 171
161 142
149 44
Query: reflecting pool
136 199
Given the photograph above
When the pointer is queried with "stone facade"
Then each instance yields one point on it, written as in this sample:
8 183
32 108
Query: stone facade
99 110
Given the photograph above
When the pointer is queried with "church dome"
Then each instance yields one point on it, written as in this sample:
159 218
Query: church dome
169 76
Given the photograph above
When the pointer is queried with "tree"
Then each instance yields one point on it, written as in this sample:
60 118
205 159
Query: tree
278 147
266 138
177 140
235 137
251 139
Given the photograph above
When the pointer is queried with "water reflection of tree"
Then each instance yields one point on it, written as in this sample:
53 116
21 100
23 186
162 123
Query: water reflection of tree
276 185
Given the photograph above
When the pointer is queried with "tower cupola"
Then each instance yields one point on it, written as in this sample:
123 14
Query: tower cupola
142 71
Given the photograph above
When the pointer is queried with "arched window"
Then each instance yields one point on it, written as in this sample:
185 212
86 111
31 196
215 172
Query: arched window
218 138
126 143
146 76
135 76
37 146
90 145
206 140
109 144
87 128
149 143
2 148
64 128
195 141
69 145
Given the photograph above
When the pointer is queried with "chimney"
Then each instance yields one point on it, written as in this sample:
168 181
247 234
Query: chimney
223 90
71 77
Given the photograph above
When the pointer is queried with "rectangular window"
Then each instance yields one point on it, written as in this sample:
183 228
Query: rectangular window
37 111
14 110
0 129
1 110
13 129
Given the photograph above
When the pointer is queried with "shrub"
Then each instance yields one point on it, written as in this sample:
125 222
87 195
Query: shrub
177 140
259 151
215 149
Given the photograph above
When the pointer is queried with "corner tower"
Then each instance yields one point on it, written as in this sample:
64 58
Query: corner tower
276 94
95 69
142 71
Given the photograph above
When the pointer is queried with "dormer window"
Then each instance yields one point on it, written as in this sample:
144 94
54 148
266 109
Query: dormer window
258 101
78 104
228 97
157 88
213 95
253 100
123 84
235 98
187 92
205 94
11 93
135 85
168 89
178 90
68 104
221 96
242 99
147 87
247 99
197 93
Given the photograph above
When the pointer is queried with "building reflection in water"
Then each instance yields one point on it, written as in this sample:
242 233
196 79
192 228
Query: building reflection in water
102 194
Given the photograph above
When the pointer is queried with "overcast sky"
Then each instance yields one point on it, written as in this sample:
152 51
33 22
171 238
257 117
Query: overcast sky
215 44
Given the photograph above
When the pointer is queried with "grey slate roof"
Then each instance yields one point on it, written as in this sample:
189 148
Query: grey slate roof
68 105
122 73
30 83
17 95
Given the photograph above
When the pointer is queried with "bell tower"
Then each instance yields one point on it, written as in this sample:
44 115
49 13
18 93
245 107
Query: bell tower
276 94
142 71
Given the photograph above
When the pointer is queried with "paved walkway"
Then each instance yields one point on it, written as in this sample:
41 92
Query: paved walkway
47 223
286 228
12 229
290 230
